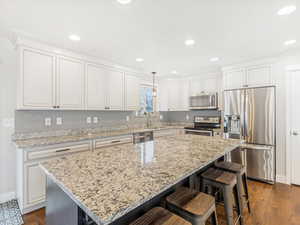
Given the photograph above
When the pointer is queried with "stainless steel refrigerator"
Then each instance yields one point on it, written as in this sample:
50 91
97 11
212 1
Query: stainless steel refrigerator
249 114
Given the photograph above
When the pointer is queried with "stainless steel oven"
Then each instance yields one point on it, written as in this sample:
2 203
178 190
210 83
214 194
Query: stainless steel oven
204 100
204 125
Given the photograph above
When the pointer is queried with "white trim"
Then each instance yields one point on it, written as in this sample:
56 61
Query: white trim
4 197
281 179
289 69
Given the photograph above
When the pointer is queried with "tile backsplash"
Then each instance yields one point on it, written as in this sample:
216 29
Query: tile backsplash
34 121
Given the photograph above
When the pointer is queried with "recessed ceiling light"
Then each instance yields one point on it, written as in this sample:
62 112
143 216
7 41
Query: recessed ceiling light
174 72
139 59
290 42
287 10
214 59
189 42
124 2
74 37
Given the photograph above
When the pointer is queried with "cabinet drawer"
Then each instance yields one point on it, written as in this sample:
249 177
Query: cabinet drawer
51 152
115 141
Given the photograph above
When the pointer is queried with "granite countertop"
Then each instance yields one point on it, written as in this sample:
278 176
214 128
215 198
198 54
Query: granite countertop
109 182
74 136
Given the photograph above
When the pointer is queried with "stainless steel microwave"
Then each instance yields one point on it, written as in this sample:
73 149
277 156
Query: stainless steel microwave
204 101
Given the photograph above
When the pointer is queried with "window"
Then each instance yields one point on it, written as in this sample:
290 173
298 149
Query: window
146 99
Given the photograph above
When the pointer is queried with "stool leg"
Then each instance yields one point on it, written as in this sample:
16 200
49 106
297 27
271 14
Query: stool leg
241 189
214 220
237 197
245 184
227 195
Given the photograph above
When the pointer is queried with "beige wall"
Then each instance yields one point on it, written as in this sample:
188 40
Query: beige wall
8 72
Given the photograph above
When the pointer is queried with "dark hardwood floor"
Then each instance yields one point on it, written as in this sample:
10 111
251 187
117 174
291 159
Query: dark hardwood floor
271 205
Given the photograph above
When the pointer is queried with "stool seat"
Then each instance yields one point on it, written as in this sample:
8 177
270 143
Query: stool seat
159 216
196 207
192 201
220 176
230 166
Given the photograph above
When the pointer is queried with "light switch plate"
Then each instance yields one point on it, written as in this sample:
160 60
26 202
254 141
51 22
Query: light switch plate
161 117
95 119
8 122
127 118
47 122
58 121
89 120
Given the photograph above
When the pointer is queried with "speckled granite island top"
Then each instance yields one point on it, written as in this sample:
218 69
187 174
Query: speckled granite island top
109 182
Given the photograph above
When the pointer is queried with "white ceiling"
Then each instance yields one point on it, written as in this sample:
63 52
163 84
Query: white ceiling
234 30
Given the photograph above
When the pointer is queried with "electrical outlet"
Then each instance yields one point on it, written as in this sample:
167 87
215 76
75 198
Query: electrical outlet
89 120
187 117
58 121
127 118
95 119
47 122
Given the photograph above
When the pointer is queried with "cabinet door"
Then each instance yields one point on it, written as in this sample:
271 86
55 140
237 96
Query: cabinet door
96 81
35 180
173 94
163 95
234 79
115 100
37 80
259 76
183 95
71 84
210 85
132 96
196 86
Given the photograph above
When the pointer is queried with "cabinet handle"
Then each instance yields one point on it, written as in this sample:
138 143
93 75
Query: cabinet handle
116 141
63 150
57 106
54 107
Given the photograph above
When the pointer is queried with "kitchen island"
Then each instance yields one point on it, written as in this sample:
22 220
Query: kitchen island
110 183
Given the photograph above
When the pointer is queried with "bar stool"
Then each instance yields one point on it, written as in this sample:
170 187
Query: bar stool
240 172
196 207
159 216
226 183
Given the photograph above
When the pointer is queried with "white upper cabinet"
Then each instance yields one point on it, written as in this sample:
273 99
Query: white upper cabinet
258 76
173 95
234 79
196 86
96 83
132 92
70 83
115 91
248 76
37 83
163 95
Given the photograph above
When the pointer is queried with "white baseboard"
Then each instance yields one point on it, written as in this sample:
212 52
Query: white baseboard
281 179
4 197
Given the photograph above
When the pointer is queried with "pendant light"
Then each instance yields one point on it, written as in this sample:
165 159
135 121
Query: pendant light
154 92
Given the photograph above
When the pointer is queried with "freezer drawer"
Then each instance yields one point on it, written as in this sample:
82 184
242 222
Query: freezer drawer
261 164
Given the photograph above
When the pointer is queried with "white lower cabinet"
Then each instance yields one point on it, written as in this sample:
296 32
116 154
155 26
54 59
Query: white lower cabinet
31 180
35 184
